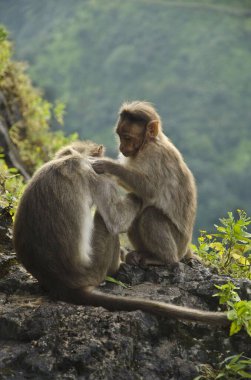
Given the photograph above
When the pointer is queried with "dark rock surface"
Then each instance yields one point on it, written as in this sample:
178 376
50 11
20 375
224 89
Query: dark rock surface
42 339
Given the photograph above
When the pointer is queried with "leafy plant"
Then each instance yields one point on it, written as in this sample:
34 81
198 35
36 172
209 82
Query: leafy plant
240 315
59 112
232 368
229 249
27 113
5 50
3 33
114 281
239 312
227 293
11 187
26 117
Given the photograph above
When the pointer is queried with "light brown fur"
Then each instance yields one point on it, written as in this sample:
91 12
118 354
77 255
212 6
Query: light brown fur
155 171
68 251
54 235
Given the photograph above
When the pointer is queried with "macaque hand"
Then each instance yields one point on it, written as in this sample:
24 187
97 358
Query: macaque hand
99 166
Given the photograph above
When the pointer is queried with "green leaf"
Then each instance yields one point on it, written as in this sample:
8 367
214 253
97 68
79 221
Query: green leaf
244 374
232 315
247 361
219 235
234 328
221 229
234 358
246 234
194 248
114 281
13 170
220 376
59 112
3 33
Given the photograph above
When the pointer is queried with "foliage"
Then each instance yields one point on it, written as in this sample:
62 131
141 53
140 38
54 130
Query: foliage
59 112
26 116
28 113
114 281
227 293
229 250
11 187
239 312
235 367
5 50
31 132
240 316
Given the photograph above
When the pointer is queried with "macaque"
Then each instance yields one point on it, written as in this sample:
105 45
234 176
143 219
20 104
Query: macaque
68 250
154 170
55 236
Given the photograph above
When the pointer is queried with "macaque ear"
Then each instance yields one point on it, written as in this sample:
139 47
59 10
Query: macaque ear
101 150
152 128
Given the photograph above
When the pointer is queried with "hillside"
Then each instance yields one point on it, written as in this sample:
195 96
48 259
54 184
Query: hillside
191 59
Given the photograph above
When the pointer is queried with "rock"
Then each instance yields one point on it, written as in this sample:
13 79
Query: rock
5 230
44 339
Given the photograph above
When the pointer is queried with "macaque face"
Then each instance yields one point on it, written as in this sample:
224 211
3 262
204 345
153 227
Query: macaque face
131 137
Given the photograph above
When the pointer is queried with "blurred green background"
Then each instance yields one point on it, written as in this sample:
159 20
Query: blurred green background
191 59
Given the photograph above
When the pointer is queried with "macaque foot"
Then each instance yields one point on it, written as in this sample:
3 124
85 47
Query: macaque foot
191 259
196 258
142 259
123 254
133 258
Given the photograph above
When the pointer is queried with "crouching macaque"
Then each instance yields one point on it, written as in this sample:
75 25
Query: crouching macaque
70 252
155 171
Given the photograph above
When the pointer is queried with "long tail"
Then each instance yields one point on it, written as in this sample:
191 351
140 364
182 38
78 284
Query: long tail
116 303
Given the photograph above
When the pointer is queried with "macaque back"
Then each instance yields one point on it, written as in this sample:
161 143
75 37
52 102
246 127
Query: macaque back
53 224
56 237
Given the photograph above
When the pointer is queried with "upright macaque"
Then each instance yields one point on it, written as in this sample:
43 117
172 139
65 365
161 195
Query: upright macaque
69 251
155 171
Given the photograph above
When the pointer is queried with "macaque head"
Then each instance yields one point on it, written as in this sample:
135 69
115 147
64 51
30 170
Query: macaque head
138 124
84 148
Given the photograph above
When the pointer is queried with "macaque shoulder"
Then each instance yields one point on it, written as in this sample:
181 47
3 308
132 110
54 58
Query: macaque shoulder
70 169
155 157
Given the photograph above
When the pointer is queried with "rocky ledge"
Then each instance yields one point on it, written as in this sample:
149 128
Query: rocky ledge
43 339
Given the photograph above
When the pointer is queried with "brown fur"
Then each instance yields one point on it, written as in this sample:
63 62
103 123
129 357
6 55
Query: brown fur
70 253
155 171
54 216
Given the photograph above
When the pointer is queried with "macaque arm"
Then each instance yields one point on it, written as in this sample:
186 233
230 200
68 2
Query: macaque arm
136 181
118 212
